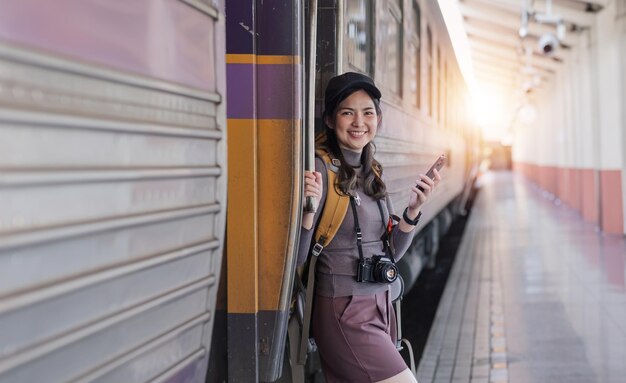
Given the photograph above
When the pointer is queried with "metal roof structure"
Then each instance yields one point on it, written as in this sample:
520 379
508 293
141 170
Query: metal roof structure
501 58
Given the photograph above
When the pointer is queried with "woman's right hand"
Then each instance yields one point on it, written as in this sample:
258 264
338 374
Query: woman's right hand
312 188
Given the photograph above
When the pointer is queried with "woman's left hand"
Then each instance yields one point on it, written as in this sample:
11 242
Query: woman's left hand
419 197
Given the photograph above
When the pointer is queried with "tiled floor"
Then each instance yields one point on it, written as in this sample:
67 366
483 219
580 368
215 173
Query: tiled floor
536 295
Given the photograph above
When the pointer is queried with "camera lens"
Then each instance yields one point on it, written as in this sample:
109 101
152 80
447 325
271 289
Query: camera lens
386 272
391 274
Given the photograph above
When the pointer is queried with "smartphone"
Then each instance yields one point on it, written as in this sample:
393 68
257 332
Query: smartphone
441 160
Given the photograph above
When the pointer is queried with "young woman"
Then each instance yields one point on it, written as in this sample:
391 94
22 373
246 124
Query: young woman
353 322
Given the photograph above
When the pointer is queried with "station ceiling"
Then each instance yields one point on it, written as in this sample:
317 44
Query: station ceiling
501 58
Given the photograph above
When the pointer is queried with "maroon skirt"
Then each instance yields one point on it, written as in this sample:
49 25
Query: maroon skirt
355 336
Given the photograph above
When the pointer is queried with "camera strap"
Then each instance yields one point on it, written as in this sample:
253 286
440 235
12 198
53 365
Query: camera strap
386 232
359 234
357 228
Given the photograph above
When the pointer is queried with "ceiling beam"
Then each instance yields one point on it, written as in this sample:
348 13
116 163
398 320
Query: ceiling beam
549 68
512 71
509 37
513 7
497 47
583 19
500 59
497 61
510 40
507 51
493 68
535 31
490 14
480 56
501 86
598 4
481 16
570 15
489 79
483 67
511 54
498 76
496 53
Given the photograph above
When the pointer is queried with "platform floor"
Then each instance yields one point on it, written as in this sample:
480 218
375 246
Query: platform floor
535 295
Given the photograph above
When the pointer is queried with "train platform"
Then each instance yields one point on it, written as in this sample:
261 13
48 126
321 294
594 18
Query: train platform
536 294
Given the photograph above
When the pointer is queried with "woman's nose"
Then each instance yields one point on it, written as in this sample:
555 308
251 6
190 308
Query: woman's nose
358 119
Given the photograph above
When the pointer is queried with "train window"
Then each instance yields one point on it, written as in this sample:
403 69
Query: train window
391 33
439 90
415 62
429 70
357 43
444 99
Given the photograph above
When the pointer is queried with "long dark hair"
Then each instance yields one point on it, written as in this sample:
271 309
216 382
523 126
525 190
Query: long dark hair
372 170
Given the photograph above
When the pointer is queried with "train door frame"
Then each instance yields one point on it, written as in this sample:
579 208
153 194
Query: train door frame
264 68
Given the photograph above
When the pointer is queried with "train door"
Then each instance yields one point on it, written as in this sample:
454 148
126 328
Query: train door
264 118
112 188
318 41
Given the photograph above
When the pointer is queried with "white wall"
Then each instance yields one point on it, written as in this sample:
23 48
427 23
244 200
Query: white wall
588 150
606 44
621 21
580 112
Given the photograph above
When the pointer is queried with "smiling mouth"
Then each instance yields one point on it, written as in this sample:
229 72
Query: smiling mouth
357 134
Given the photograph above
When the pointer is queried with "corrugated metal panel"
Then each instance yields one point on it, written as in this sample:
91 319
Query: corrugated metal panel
112 206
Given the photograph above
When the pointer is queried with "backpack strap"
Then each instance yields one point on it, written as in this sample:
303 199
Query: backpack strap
334 211
335 207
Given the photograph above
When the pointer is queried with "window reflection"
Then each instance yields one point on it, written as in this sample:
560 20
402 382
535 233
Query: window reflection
358 31
391 33
439 92
429 70
415 62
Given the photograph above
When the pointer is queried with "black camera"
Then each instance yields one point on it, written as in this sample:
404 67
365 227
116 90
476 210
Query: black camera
377 269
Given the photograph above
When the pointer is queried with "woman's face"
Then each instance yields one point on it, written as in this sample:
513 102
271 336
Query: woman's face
355 121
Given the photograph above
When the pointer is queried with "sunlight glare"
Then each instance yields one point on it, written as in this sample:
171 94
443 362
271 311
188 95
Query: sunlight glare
489 112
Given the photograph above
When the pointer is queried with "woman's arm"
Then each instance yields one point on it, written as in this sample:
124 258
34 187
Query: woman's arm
401 236
417 199
315 185
312 188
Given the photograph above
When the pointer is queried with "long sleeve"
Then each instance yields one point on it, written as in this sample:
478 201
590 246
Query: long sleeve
337 264
400 241
307 235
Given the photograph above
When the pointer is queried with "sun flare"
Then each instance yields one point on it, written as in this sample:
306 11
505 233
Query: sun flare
491 111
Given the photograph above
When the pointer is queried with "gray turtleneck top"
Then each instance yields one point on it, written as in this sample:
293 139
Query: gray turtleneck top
337 264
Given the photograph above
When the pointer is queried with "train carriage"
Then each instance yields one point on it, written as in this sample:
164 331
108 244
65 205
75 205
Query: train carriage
119 221
112 189
405 47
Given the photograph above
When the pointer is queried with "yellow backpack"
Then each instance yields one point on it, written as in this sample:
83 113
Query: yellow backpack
335 206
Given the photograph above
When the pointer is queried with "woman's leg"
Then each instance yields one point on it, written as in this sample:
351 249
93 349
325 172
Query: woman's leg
405 376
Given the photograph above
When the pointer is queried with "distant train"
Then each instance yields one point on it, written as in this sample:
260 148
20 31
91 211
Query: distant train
152 152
